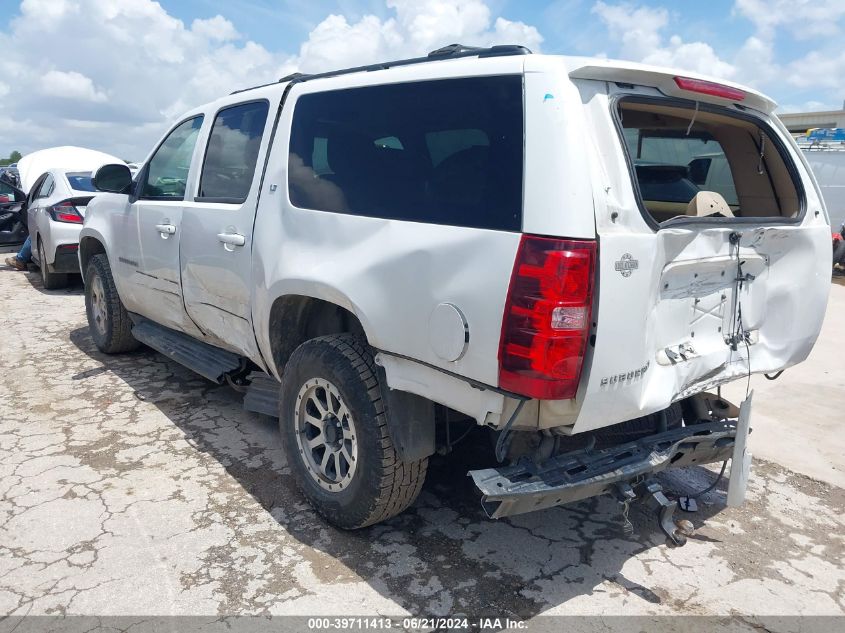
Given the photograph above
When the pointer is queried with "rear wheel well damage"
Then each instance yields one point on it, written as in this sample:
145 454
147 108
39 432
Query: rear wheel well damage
295 319
88 247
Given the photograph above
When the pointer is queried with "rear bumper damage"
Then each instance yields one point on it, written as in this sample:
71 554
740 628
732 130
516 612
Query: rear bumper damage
526 486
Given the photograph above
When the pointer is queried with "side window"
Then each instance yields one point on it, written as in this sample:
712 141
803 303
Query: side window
232 152
167 173
448 151
46 187
36 187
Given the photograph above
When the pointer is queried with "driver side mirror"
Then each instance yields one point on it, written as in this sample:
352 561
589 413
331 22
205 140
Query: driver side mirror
113 178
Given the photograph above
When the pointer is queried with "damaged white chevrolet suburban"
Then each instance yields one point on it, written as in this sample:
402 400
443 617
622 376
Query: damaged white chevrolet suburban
574 253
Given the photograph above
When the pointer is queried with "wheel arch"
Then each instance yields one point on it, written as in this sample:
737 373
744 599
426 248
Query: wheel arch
88 247
296 318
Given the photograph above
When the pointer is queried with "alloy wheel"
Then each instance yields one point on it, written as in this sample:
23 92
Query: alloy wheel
325 435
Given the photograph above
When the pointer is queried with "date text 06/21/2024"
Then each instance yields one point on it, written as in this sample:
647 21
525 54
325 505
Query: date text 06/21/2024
415 623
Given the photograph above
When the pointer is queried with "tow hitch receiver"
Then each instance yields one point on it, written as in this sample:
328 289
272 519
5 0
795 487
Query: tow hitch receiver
623 471
651 493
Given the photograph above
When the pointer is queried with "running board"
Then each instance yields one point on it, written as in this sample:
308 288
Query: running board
262 394
206 360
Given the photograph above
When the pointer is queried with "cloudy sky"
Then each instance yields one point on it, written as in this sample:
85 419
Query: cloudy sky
111 74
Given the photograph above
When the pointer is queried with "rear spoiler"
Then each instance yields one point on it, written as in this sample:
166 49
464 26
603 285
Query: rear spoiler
664 80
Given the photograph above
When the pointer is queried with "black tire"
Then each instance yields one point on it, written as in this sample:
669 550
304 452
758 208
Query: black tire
382 485
51 281
112 333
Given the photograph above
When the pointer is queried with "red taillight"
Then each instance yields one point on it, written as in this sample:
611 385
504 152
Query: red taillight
709 88
547 318
65 212
837 237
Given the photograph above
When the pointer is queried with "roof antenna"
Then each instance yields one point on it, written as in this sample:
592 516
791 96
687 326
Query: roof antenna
694 114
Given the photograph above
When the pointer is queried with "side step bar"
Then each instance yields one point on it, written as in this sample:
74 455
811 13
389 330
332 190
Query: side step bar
206 360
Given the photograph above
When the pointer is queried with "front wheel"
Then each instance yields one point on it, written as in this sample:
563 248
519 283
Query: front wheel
335 435
108 321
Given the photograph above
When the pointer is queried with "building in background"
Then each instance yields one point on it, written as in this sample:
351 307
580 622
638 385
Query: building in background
799 122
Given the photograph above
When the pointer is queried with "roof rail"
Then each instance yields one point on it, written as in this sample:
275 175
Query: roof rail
452 51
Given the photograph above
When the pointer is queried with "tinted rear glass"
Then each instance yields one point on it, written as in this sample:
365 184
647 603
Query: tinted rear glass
80 181
444 152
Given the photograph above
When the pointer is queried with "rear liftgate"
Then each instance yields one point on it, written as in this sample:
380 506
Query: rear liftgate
624 471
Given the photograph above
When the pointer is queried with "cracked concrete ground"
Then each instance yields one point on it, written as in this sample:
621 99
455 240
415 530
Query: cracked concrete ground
131 486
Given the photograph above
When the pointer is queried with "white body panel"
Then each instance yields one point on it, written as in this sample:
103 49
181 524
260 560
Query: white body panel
682 294
395 275
46 231
348 259
217 277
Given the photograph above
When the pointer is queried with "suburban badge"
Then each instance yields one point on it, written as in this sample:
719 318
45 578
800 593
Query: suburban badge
627 265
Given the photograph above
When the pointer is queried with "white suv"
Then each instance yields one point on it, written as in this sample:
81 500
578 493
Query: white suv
480 235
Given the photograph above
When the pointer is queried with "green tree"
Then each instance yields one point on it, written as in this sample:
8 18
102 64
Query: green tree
14 157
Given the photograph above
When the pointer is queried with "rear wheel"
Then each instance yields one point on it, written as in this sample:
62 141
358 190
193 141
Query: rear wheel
108 321
51 281
335 434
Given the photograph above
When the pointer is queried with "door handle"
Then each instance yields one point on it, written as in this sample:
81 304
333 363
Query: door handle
231 239
165 229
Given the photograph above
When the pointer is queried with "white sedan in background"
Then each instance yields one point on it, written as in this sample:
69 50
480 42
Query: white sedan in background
57 182
56 209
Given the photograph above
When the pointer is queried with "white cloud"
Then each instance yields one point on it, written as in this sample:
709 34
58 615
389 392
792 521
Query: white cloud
132 67
418 27
639 31
809 106
818 69
697 56
642 34
217 29
804 18
70 85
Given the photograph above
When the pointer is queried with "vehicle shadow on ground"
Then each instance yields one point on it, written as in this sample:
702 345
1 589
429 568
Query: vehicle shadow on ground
33 276
442 556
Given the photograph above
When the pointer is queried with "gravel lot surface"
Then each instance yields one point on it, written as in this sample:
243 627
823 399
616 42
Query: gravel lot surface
132 487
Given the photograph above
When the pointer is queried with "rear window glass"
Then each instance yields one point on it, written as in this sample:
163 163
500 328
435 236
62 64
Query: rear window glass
702 163
80 181
445 152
